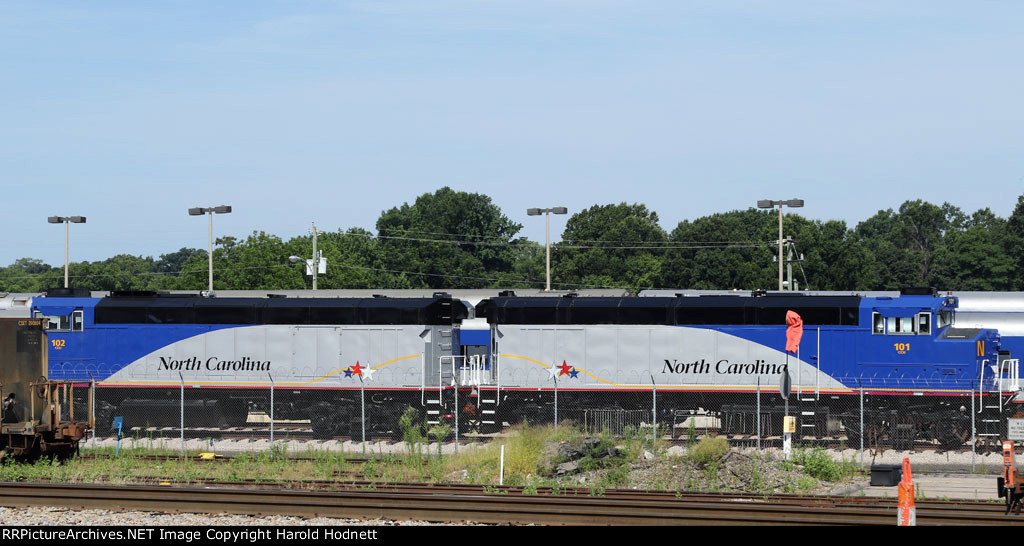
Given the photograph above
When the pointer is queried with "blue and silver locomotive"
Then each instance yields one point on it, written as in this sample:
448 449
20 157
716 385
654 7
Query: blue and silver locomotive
510 359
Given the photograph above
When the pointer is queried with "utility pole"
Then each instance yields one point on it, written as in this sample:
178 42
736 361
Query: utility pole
316 264
316 258
768 204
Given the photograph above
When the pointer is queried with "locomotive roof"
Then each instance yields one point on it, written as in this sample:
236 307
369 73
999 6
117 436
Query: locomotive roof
723 309
180 309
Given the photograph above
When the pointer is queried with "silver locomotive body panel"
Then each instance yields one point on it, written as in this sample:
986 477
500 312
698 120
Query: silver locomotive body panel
297 356
615 357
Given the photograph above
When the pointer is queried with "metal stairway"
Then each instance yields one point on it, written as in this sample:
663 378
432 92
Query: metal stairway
1004 387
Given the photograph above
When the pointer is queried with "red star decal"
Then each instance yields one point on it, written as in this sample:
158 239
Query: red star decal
564 369
357 369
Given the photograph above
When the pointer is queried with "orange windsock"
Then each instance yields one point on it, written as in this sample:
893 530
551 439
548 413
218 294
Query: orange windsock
794 331
906 515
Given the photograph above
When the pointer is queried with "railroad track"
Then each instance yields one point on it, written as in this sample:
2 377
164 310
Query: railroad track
300 432
438 504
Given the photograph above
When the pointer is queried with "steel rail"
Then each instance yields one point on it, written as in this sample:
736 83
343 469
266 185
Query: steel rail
486 508
476 489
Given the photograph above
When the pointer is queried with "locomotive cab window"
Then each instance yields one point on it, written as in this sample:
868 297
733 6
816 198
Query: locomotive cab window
878 323
924 323
944 319
63 323
58 323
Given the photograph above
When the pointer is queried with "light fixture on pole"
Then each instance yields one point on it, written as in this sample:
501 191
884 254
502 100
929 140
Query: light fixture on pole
66 220
768 204
199 211
547 236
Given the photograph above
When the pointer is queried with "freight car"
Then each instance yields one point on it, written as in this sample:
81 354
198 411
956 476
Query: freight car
38 416
715 352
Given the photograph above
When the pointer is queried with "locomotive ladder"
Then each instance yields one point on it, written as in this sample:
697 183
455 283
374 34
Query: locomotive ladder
434 400
487 401
460 371
1006 380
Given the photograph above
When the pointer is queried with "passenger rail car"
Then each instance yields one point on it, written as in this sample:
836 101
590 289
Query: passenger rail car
716 352
144 349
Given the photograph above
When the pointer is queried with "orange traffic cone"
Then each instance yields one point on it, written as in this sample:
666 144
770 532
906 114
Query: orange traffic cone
907 515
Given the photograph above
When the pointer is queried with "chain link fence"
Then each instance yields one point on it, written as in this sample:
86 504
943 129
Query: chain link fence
870 415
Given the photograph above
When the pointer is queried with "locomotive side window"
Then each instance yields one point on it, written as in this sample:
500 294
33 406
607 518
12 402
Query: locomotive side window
878 323
945 319
901 325
924 323
58 323
76 321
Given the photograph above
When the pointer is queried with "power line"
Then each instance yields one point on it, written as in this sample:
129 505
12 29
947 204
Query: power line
561 245
276 266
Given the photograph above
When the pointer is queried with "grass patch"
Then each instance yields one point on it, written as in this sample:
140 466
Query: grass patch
708 451
819 464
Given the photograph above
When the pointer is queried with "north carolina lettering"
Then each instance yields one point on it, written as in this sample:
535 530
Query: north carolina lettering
685 367
246 364
724 367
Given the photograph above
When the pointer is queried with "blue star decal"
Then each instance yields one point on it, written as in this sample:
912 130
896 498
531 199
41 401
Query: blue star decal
573 373
348 372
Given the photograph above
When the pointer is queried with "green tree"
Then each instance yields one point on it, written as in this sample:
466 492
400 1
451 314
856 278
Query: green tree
30 275
448 239
1013 244
610 245
904 242
723 251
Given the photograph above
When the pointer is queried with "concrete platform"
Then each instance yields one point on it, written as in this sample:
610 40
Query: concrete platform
937 486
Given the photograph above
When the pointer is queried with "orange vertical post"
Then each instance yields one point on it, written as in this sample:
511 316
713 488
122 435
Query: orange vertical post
907 515
1008 473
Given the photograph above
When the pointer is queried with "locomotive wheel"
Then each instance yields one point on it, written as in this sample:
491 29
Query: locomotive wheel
326 421
236 413
104 418
949 436
853 432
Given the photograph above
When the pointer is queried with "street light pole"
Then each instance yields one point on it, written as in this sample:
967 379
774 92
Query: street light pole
767 204
199 211
547 237
66 220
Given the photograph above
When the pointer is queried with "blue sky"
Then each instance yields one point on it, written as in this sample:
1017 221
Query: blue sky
129 113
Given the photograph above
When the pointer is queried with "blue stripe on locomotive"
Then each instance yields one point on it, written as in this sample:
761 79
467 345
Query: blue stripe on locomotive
99 352
855 356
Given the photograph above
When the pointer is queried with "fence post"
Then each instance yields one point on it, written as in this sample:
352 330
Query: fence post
182 413
861 384
362 410
974 434
654 412
456 418
92 402
271 414
555 379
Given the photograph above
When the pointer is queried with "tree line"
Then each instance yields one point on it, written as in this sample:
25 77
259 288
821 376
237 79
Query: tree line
449 239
